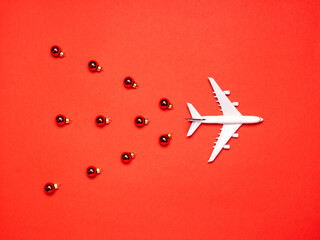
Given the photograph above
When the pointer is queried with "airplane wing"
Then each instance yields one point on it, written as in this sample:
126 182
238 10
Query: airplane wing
226 106
226 133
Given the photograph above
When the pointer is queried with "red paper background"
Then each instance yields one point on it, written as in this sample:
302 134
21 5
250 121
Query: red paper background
265 52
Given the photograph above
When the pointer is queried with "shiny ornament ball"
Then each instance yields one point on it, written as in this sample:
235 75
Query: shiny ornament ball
50 188
165 104
93 171
61 120
102 121
141 121
56 51
130 83
126 157
94 66
165 139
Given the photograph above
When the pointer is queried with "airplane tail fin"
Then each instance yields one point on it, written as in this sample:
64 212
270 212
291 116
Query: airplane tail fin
196 119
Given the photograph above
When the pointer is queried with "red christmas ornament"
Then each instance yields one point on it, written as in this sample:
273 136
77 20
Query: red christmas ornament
165 104
126 157
102 121
165 139
62 120
130 83
50 188
94 66
141 121
93 171
57 52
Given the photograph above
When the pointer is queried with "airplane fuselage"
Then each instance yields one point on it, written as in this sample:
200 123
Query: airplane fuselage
228 119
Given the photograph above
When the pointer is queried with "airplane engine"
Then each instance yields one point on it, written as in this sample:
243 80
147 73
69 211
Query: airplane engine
226 147
227 92
236 104
236 135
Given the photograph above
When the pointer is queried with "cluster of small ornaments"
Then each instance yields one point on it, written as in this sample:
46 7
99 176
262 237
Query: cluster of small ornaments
101 121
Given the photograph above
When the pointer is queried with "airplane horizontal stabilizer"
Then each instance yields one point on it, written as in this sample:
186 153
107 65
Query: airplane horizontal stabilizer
196 119
194 113
193 128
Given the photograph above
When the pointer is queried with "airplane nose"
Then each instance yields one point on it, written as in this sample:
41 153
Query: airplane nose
261 119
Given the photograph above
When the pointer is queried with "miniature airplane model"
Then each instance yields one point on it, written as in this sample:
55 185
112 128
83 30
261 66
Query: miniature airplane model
231 119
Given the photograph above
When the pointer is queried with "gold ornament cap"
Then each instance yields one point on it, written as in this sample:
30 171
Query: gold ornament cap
135 85
108 120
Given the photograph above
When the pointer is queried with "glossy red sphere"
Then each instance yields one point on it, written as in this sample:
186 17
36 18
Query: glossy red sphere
55 51
128 82
49 188
61 120
140 121
93 66
164 104
164 140
126 157
91 172
100 121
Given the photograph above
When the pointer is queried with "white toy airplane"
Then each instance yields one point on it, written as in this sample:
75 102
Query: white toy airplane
231 119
